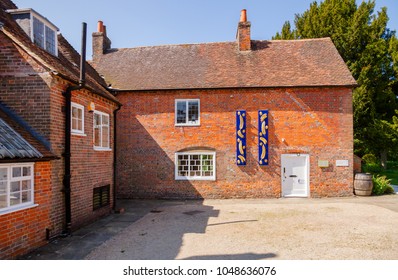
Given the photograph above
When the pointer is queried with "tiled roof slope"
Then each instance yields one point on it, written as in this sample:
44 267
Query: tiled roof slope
290 63
16 142
67 62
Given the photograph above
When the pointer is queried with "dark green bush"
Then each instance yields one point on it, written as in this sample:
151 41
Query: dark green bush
372 168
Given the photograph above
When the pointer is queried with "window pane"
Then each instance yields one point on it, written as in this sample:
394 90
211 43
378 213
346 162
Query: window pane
26 185
16 172
15 186
105 137
26 196
38 32
97 119
105 120
50 40
80 125
97 140
181 112
3 174
15 198
26 171
74 124
75 112
3 188
3 201
193 111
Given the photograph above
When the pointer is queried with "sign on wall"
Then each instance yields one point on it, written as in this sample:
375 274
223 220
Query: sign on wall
263 137
241 137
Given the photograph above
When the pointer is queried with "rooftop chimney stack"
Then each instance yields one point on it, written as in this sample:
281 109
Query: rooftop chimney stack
101 42
243 34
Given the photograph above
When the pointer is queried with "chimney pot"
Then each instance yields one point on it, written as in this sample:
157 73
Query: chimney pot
100 26
243 34
243 16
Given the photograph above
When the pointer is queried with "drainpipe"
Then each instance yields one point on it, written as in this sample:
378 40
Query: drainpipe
68 120
114 157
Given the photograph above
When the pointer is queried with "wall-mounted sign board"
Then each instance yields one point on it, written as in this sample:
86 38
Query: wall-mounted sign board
323 163
342 162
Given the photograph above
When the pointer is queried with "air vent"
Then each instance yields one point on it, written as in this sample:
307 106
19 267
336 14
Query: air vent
101 197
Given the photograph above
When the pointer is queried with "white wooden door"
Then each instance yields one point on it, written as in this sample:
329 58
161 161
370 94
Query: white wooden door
295 175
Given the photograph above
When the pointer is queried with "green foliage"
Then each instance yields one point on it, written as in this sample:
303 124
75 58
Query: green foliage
373 168
369 158
370 51
381 185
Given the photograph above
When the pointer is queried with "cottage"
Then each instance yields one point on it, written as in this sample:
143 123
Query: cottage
231 120
68 116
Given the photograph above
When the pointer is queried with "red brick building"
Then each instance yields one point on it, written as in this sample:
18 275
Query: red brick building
235 119
72 119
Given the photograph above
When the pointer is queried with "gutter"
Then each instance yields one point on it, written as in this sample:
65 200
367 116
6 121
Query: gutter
68 120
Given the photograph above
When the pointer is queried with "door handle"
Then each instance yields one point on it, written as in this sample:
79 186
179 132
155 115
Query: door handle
293 176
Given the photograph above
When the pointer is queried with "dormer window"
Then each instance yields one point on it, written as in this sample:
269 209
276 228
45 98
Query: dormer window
41 31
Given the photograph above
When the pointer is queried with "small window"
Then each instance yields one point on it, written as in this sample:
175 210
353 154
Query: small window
101 131
187 112
16 186
101 197
195 166
77 119
44 36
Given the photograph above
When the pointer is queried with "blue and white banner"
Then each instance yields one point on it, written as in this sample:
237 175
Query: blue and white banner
263 137
241 137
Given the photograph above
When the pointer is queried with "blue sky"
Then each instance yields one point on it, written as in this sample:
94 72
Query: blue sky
132 23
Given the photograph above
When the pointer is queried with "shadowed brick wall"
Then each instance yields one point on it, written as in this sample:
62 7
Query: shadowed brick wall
23 230
313 121
36 96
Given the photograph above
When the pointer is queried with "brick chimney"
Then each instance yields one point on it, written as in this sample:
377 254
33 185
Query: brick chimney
101 42
243 34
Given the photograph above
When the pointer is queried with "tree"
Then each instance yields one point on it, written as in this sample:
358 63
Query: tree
370 51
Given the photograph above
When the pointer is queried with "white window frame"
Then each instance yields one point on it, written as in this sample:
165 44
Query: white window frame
50 26
204 178
77 131
101 126
187 116
12 208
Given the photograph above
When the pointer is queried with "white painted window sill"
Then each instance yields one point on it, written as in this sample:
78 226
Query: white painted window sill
78 134
102 149
22 207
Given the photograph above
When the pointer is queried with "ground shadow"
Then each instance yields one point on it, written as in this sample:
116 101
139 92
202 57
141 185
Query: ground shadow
246 256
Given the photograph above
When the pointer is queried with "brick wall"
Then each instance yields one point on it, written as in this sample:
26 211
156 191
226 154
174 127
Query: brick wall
36 96
317 122
25 230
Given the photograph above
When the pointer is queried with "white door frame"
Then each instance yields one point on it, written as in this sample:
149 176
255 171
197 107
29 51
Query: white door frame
307 175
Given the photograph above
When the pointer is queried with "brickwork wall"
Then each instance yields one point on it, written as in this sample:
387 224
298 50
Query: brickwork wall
317 122
24 230
23 87
36 96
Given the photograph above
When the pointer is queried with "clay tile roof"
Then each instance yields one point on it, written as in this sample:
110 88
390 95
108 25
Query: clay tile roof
17 142
285 63
66 64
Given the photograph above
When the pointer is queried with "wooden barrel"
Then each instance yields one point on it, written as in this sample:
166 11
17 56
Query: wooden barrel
363 184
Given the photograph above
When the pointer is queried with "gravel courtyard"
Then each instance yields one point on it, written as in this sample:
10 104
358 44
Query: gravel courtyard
280 229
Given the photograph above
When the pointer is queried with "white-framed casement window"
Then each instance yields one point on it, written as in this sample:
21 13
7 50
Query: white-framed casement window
16 186
44 35
77 119
195 165
187 112
101 131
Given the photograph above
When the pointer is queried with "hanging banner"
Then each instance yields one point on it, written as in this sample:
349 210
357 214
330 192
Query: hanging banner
241 137
263 137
